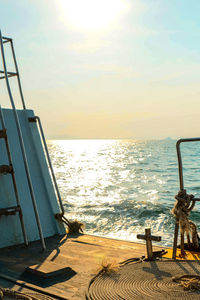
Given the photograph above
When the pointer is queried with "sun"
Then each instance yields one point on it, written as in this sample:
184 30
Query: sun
91 15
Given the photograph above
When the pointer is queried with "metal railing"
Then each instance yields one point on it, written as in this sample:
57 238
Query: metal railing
181 183
36 118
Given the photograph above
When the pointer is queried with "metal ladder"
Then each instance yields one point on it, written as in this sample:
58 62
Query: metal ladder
5 75
8 169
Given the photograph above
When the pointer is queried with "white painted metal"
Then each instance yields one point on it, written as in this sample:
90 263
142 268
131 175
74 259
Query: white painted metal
36 192
19 213
46 200
19 133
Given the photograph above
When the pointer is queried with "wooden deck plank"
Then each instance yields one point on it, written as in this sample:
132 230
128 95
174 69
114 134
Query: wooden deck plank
83 254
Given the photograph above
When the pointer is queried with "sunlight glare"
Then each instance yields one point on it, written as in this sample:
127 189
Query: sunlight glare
91 15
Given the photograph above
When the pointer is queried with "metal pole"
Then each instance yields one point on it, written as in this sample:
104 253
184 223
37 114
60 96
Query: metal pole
22 148
18 78
175 238
180 166
50 165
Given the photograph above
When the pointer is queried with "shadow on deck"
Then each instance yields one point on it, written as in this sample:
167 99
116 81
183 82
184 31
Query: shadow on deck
67 265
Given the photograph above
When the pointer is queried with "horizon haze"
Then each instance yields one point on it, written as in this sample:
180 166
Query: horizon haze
107 69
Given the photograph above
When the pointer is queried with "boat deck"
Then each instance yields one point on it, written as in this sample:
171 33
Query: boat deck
81 257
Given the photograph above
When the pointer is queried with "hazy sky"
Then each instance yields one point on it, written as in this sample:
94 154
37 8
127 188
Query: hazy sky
108 68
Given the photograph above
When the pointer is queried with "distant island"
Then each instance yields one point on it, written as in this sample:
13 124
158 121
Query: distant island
168 138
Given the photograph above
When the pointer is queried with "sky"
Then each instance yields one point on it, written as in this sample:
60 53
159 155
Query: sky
107 69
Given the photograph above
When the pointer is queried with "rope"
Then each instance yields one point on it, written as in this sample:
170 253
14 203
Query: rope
188 282
15 294
182 208
109 268
74 227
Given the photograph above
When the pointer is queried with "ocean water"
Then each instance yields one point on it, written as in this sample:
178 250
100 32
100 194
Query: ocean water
117 188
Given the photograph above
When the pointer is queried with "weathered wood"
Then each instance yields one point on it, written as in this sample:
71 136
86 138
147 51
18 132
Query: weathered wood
31 287
152 238
148 238
149 244
48 269
84 254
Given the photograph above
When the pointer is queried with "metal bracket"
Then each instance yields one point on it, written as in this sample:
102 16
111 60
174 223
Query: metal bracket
3 134
5 169
32 120
9 211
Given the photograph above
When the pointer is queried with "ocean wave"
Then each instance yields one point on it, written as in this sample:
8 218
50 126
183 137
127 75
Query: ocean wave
119 188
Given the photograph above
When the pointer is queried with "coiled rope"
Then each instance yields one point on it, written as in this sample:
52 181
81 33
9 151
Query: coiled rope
182 208
188 282
5 292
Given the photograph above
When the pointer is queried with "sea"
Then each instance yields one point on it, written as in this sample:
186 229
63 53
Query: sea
117 188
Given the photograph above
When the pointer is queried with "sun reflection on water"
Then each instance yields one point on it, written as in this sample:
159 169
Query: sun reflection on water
116 187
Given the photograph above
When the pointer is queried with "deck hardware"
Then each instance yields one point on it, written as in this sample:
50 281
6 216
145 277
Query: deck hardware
3 133
5 169
18 127
10 210
73 226
149 238
32 120
10 74
160 253
181 183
